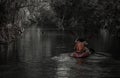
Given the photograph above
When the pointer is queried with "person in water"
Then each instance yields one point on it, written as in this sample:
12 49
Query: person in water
80 49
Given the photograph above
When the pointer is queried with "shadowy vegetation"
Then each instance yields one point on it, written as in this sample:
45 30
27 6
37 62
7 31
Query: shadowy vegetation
15 15
88 15
9 19
47 18
80 16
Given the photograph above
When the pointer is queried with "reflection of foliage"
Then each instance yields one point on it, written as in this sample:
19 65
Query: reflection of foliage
91 14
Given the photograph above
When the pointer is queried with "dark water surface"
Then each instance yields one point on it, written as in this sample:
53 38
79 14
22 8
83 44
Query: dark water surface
44 53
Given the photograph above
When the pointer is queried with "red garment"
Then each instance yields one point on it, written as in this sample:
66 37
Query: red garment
82 55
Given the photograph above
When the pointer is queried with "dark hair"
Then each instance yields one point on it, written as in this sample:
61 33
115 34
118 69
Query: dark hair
81 39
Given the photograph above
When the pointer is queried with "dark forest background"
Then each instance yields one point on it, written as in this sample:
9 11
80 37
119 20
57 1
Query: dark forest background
78 16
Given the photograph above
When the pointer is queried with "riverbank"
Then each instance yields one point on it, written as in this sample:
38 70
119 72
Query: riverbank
8 35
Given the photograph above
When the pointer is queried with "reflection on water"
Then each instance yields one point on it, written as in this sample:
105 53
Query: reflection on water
8 53
45 54
95 66
35 45
104 34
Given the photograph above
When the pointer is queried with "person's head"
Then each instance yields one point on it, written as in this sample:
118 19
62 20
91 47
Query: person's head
80 39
